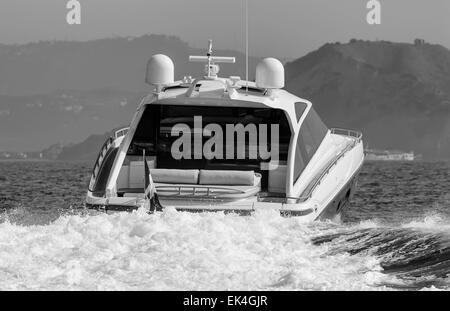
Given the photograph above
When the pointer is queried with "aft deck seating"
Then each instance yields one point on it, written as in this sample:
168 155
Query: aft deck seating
214 184
223 184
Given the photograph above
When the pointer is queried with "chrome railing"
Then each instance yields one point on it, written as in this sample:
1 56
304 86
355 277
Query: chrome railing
121 132
344 132
350 133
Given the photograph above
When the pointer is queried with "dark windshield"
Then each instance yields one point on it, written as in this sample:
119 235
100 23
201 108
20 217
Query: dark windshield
154 132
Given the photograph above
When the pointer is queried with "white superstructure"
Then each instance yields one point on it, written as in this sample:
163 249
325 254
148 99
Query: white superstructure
313 175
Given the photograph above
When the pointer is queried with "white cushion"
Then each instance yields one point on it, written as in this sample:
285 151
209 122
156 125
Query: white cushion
172 176
231 178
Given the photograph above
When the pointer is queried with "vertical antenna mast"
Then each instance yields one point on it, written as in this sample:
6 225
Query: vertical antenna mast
246 44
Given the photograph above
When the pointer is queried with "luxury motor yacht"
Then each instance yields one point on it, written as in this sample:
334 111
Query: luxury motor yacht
213 144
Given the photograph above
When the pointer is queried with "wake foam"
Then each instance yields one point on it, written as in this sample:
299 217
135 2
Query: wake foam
213 251
418 252
178 251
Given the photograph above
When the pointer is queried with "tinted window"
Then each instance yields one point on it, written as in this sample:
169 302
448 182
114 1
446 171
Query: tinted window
311 134
105 169
154 132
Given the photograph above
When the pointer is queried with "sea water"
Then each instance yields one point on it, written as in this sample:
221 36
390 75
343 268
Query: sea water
395 235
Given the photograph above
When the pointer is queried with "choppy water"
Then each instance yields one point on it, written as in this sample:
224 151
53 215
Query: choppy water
396 235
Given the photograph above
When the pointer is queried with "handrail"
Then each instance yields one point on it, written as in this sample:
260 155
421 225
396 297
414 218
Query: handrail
344 132
121 132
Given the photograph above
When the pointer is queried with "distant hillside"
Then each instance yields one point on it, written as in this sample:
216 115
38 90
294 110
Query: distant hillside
398 94
35 122
62 92
119 64
86 150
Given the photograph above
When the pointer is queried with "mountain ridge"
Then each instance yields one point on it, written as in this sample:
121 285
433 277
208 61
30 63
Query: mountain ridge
397 94
114 63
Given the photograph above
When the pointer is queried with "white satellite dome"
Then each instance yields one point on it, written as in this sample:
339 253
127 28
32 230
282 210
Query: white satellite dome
160 70
270 74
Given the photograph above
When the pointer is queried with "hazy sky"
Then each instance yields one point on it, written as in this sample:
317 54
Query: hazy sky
280 28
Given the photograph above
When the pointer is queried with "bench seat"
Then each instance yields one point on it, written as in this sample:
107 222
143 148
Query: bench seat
201 184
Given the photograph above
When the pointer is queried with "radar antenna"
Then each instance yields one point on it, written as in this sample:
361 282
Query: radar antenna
211 69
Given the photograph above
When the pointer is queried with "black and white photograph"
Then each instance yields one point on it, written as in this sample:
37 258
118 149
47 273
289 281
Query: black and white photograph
246 146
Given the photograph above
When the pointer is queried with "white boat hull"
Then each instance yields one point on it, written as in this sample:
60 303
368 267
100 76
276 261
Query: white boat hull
329 199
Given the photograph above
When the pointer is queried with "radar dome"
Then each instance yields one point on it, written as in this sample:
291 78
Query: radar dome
270 74
160 70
